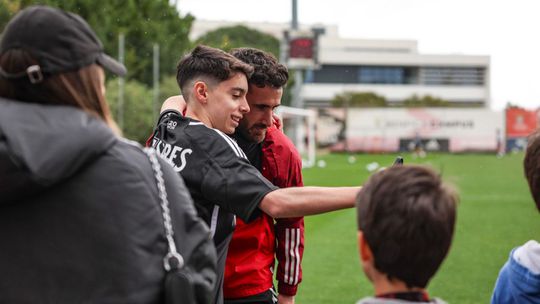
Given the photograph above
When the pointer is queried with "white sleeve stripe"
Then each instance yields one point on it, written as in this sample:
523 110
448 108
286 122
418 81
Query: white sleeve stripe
286 272
195 123
292 256
230 144
236 146
213 222
297 257
291 253
233 142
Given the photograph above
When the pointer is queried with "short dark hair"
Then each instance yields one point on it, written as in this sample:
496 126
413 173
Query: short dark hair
531 166
407 216
210 63
267 69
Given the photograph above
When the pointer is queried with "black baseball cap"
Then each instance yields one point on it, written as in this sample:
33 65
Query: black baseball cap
60 41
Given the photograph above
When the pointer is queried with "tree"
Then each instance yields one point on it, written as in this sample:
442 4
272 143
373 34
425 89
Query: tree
138 119
227 38
359 99
8 8
140 114
143 22
167 88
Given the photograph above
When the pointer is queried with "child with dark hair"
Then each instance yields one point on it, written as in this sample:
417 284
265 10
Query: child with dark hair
519 278
406 218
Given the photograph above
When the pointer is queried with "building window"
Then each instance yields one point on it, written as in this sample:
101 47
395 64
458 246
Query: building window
354 74
381 75
454 76
334 74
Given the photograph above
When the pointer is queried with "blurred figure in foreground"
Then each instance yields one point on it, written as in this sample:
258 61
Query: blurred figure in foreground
406 218
80 214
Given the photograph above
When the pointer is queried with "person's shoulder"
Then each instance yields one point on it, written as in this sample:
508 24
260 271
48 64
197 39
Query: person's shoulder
218 145
223 144
125 164
172 115
130 153
280 144
528 255
277 137
173 122
374 300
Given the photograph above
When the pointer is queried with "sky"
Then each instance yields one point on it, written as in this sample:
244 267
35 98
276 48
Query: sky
507 31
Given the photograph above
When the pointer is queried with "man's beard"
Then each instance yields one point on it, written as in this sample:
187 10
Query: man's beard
255 134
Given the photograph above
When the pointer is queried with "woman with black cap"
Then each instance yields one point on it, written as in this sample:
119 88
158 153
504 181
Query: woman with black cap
83 212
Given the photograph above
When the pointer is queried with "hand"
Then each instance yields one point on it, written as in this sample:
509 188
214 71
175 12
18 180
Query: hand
284 299
174 103
277 122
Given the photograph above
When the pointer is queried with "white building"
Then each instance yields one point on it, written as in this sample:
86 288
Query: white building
390 68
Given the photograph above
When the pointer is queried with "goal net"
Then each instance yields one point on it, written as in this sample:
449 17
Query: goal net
299 126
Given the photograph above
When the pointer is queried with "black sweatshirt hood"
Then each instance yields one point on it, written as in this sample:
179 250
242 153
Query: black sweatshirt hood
43 145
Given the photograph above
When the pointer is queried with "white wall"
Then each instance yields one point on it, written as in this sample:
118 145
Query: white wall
466 129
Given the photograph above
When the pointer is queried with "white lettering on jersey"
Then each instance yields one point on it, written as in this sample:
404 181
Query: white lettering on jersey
171 125
170 154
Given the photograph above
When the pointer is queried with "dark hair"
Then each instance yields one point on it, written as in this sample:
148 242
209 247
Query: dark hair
81 88
407 217
531 166
267 69
210 63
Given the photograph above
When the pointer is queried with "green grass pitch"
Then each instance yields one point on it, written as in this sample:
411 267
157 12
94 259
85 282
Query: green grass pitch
495 214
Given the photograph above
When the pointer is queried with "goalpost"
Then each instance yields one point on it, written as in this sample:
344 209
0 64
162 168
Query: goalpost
301 133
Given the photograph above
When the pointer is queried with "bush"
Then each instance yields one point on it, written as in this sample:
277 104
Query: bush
138 117
360 99
425 101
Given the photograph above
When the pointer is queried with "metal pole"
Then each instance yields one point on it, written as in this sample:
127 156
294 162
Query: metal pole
346 104
156 83
297 101
121 82
294 20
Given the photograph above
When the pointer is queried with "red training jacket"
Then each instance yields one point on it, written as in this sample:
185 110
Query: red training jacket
250 261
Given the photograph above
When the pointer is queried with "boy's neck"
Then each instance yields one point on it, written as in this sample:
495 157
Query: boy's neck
383 285
197 114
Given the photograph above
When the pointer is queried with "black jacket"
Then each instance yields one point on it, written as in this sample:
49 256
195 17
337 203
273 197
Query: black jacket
80 220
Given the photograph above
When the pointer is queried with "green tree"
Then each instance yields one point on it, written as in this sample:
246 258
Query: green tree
227 38
143 22
167 88
416 101
359 99
8 8
138 119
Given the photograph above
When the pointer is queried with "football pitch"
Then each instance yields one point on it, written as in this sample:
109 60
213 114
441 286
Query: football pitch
495 214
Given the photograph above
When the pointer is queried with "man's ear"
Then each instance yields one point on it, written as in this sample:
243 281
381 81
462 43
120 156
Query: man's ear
200 91
363 247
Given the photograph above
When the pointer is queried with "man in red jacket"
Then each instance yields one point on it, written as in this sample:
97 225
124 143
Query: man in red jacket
253 249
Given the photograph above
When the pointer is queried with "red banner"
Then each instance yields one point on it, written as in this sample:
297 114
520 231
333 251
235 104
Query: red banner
520 122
